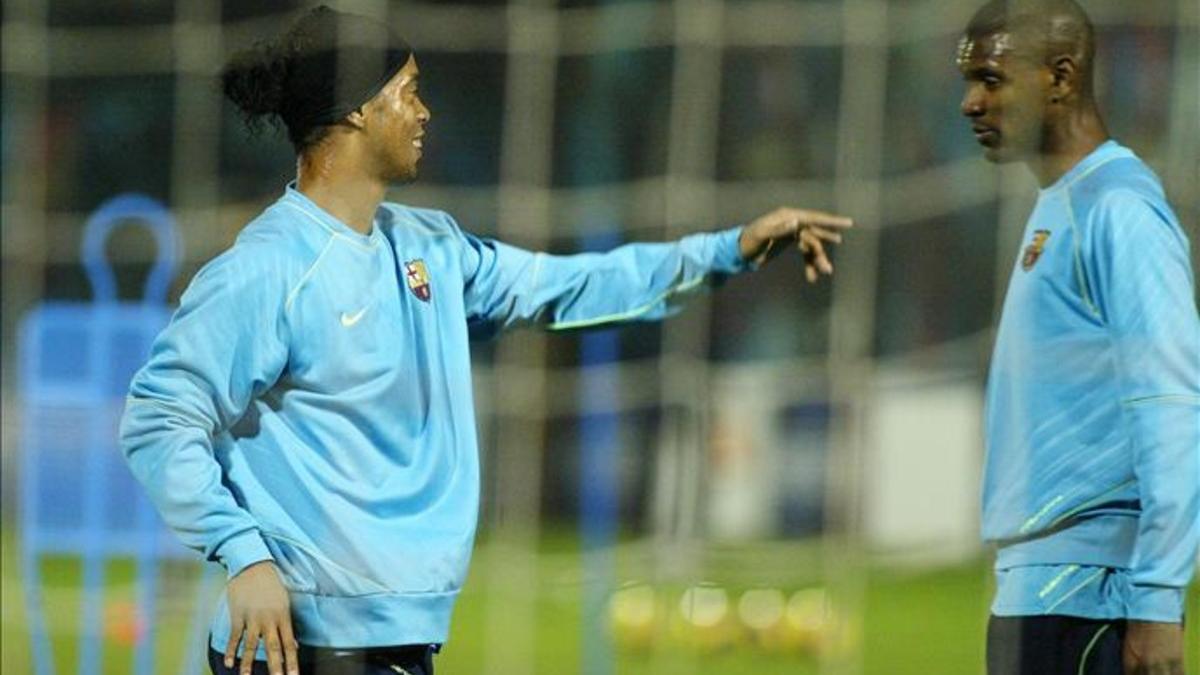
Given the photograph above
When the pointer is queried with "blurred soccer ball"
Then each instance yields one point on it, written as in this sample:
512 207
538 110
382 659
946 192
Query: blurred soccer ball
705 620
633 617
806 620
813 625
762 613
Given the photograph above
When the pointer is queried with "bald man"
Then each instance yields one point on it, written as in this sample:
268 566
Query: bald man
1092 479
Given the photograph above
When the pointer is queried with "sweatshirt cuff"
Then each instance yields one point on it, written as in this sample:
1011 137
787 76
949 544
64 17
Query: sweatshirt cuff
1155 603
241 551
728 252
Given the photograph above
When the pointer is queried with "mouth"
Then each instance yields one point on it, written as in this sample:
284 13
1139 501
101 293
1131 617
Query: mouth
984 135
416 141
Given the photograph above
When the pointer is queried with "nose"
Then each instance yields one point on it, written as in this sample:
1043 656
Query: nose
423 113
972 102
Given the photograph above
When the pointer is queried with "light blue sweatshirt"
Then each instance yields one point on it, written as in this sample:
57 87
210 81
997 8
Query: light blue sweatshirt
1092 478
310 403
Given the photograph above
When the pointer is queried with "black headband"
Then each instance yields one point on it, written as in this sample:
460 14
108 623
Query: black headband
341 61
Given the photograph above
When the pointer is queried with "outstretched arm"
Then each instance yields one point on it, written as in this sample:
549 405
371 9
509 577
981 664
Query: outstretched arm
506 286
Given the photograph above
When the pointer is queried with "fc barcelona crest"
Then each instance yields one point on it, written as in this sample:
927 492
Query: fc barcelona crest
1034 250
418 279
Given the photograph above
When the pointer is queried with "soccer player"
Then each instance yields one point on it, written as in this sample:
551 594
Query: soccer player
1092 480
306 419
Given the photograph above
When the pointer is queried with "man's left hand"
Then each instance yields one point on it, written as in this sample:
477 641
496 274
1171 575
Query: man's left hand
769 235
1153 648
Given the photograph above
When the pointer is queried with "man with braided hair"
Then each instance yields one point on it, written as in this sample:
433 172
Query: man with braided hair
1092 479
307 420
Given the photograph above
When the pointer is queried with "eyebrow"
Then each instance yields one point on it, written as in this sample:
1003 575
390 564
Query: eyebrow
981 72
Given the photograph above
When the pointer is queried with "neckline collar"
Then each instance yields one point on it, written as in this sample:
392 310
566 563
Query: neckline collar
1104 152
327 220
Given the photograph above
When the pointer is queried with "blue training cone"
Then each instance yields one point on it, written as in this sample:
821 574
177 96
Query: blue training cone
77 497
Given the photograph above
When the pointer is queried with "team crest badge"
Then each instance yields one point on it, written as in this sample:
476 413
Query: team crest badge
1034 250
418 279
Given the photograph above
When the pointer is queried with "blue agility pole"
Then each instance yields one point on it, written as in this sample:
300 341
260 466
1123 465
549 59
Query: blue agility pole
599 483
77 496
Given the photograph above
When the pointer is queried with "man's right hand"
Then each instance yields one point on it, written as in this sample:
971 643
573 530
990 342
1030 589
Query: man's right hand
761 240
1153 648
259 608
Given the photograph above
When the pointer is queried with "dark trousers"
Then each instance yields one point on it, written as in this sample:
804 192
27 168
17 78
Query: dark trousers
1054 645
408 659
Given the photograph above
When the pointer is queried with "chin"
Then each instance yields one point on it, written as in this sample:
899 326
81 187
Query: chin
404 175
998 155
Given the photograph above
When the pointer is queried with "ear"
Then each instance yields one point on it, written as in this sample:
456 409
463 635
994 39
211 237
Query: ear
1064 73
357 118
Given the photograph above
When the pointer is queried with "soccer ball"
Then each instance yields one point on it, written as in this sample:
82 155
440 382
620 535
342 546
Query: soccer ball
705 619
762 613
814 626
806 620
633 617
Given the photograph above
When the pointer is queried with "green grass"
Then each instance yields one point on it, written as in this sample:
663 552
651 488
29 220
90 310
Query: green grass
530 607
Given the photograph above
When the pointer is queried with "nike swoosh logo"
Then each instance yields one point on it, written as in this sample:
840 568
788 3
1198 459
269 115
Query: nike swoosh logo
349 320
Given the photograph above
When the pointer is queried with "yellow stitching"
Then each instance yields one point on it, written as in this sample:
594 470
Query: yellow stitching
1075 590
1071 569
638 311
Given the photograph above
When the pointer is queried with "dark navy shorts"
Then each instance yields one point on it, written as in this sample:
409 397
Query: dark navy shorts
402 660
1054 645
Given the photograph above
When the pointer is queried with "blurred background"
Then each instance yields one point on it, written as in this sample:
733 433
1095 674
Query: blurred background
782 479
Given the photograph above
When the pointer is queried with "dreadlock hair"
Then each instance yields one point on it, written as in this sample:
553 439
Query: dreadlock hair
325 66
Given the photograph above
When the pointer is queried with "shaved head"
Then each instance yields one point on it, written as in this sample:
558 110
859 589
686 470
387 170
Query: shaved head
1039 31
1027 66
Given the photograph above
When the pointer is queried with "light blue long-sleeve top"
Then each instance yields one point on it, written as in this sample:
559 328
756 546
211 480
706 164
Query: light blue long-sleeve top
1092 478
310 402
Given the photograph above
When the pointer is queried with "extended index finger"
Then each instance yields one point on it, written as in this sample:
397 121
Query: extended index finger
823 219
